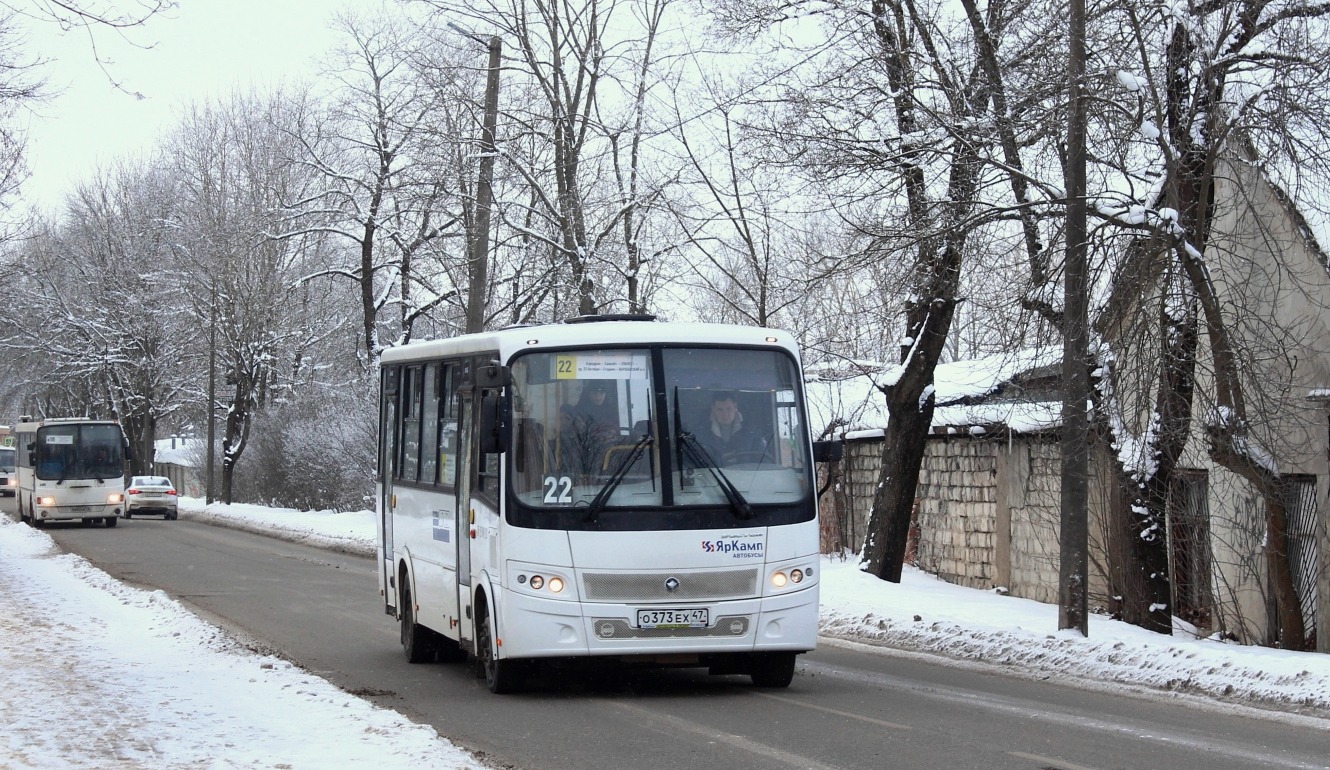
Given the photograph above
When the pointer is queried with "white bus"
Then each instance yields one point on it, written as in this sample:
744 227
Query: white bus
562 491
70 469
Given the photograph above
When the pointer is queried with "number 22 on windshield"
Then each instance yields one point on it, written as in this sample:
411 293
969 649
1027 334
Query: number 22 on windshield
558 489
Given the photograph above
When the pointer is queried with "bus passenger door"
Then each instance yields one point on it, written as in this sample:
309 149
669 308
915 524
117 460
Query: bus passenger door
388 450
465 453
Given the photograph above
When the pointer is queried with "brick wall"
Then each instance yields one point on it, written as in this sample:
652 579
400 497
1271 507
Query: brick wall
987 510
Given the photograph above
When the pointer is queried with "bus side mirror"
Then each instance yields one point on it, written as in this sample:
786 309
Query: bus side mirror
493 375
493 430
828 451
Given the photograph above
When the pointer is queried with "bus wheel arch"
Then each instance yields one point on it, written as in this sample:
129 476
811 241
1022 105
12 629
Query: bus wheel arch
501 675
418 642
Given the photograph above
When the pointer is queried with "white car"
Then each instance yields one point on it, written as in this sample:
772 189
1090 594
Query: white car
154 495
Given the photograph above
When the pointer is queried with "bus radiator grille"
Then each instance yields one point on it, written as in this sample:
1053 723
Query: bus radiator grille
633 587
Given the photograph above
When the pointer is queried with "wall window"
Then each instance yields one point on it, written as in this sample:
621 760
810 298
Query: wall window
1189 541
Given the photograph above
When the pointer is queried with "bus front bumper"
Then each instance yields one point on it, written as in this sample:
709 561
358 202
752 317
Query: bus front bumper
76 512
543 628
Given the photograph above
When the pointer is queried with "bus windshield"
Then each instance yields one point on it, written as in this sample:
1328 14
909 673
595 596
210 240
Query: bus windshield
672 427
79 451
7 460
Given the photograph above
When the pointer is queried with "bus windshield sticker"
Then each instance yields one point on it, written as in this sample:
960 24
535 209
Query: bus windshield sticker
601 364
59 438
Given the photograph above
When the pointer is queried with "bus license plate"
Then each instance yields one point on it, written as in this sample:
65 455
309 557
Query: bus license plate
697 618
81 508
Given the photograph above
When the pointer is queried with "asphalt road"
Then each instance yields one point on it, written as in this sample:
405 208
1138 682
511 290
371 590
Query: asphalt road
847 708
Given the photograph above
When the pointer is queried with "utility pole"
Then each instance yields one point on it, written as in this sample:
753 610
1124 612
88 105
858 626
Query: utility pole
480 239
212 390
1073 549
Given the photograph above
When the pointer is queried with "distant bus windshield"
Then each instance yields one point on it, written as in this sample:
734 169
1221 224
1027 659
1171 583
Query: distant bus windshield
6 460
79 451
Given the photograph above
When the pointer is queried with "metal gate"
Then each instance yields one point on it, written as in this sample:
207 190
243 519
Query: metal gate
1302 552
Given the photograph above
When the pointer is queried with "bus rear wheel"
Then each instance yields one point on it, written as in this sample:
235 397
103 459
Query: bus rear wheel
417 641
501 676
772 669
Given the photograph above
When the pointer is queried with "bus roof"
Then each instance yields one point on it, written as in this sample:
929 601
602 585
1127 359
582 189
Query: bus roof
31 421
591 333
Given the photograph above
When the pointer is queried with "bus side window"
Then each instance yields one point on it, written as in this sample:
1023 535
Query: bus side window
448 426
410 415
487 462
429 427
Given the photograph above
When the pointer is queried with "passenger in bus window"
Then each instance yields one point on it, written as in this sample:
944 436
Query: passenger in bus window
568 444
724 434
597 412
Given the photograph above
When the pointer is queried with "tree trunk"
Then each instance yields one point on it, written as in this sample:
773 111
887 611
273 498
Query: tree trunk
903 449
910 403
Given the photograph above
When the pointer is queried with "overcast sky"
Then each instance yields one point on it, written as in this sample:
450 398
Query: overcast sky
201 49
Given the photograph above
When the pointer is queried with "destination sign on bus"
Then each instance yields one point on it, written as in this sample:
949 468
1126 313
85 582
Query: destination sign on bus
600 364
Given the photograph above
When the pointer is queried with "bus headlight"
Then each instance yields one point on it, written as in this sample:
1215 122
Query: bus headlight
554 584
786 577
48 500
115 497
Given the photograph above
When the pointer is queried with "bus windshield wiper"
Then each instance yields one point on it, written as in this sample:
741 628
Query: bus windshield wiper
602 497
700 456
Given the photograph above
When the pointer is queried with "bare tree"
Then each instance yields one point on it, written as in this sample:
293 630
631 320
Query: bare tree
102 319
379 193
749 270
1194 104
578 64
233 162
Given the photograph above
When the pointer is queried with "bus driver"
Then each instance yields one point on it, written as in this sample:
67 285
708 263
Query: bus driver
725 437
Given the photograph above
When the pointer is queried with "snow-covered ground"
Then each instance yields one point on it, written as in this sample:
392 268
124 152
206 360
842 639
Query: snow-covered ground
93 673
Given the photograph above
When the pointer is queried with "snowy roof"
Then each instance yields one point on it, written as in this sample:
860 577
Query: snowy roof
177 451
968 395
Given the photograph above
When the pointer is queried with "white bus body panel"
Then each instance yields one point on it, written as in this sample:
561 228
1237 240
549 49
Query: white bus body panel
425 538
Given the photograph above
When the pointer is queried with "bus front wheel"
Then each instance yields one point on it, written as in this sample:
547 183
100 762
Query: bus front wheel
772 669
111 521
417 641
501 676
